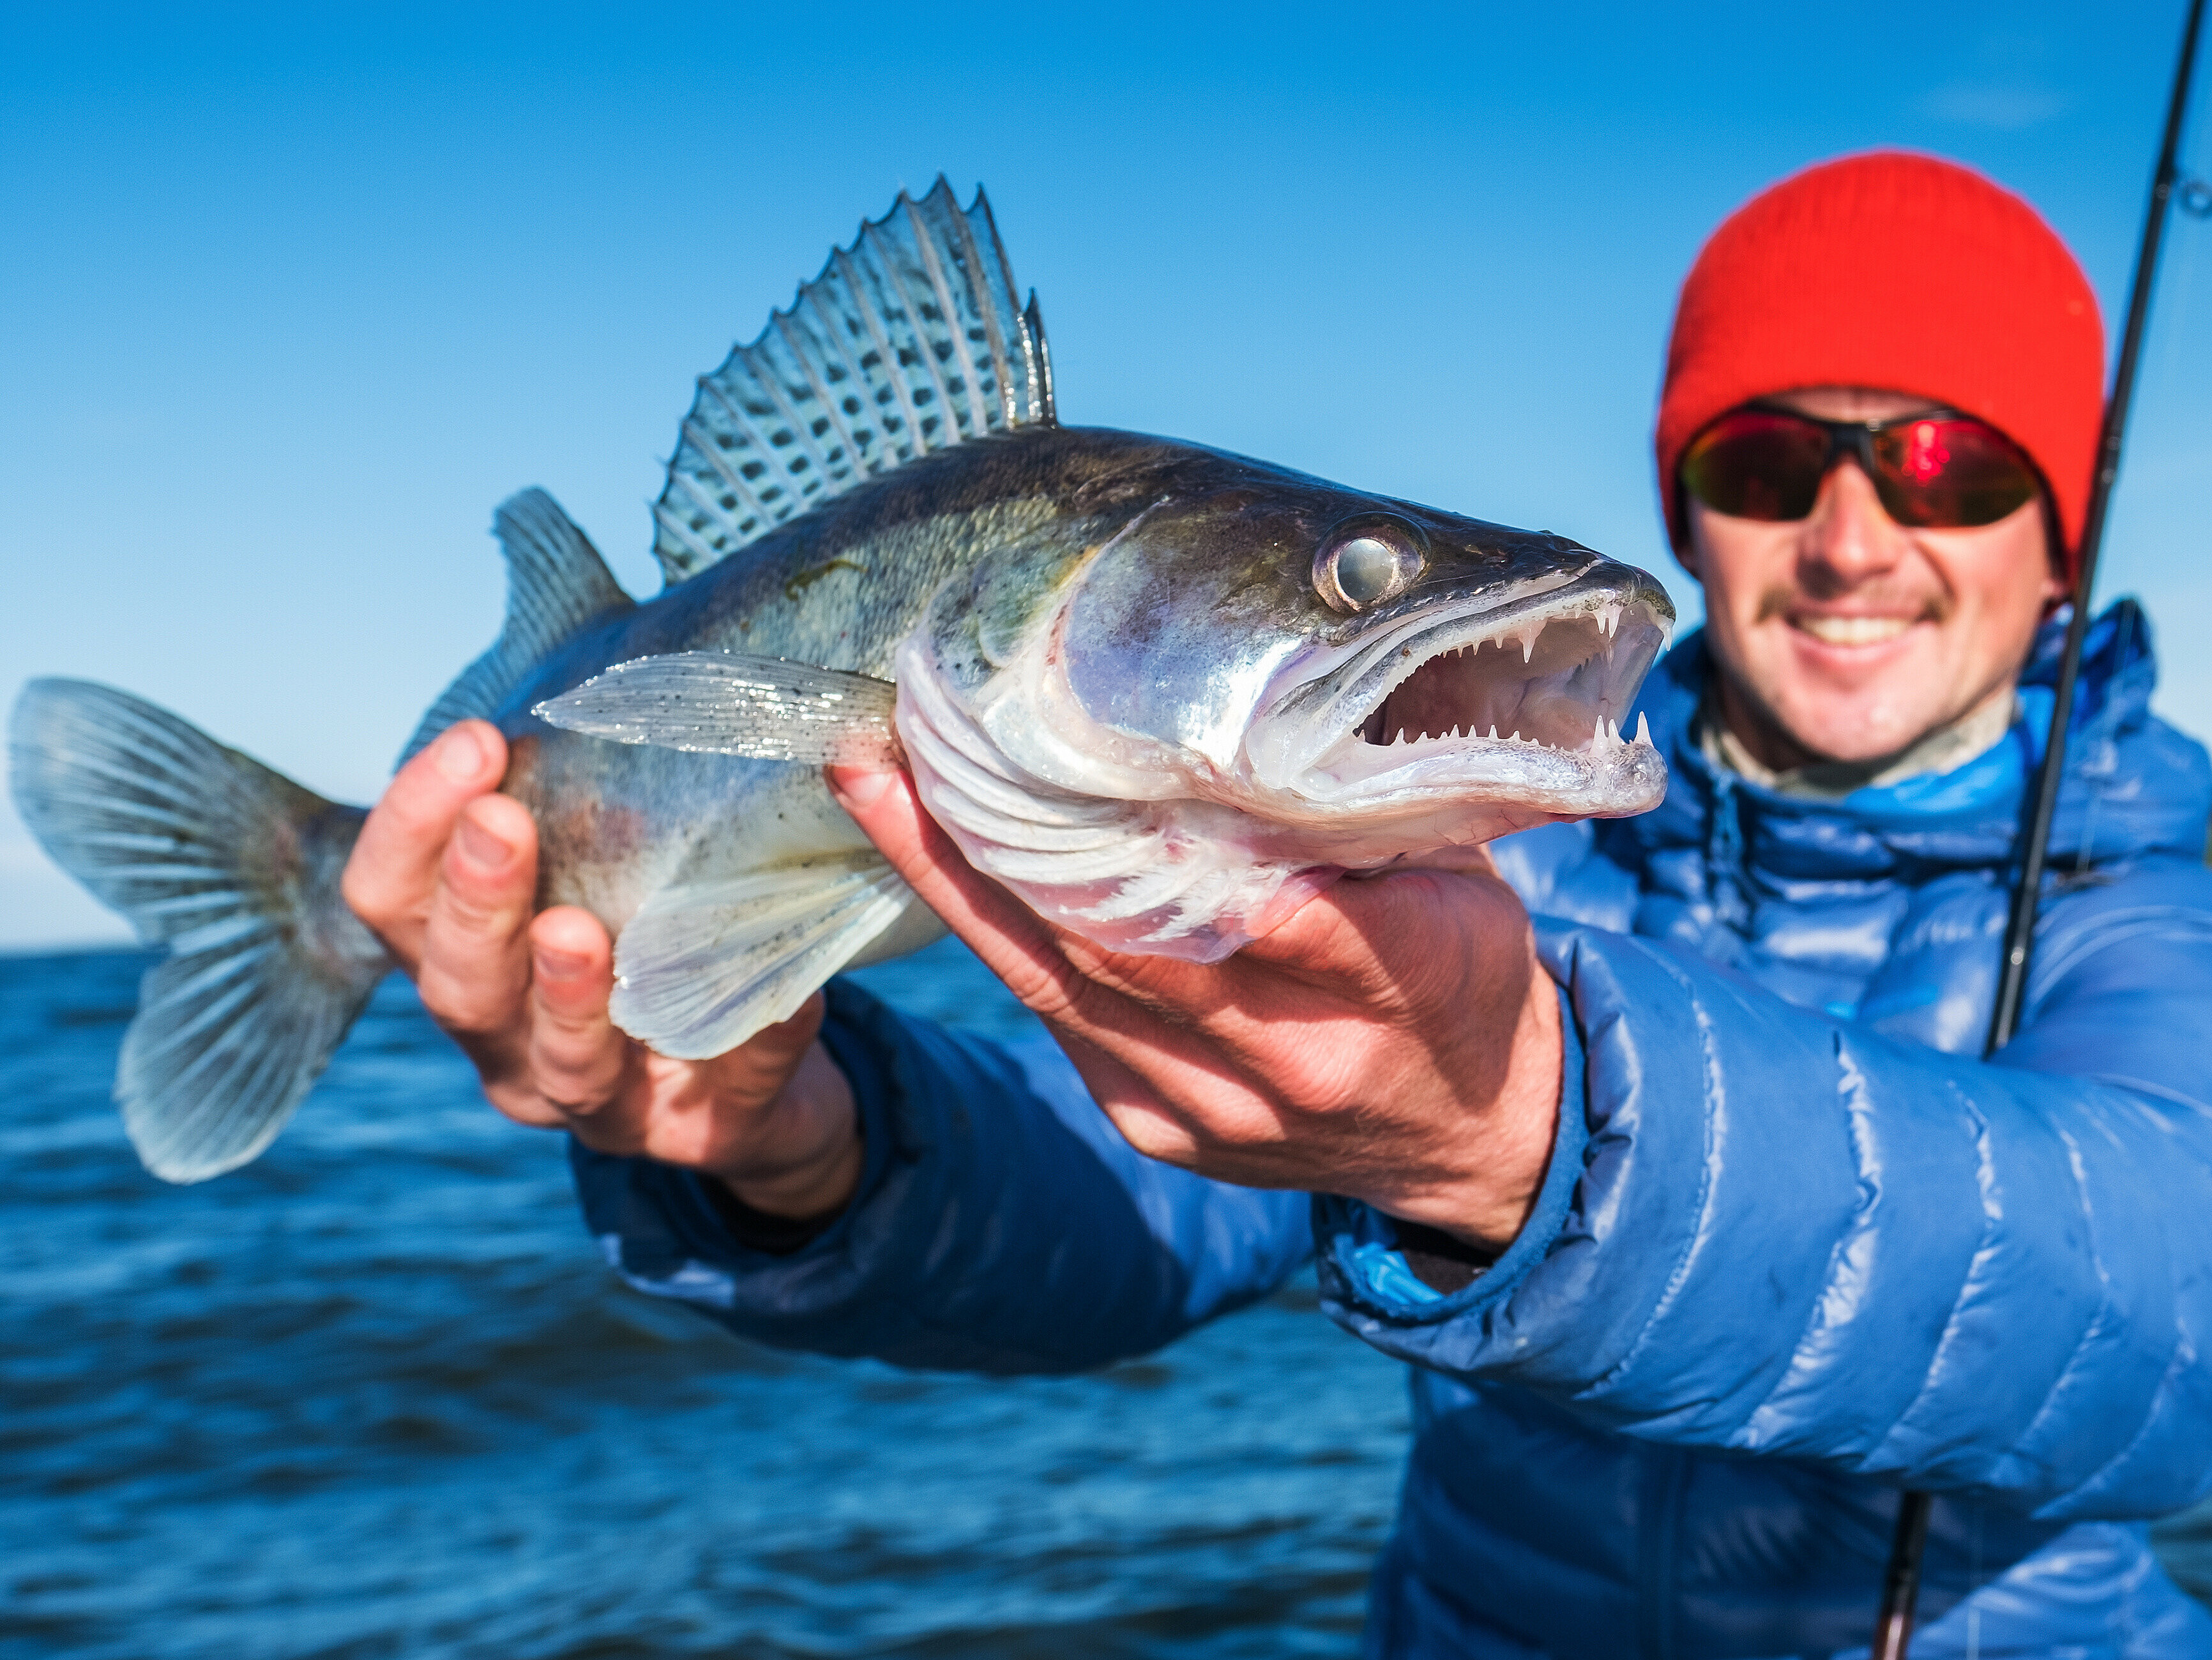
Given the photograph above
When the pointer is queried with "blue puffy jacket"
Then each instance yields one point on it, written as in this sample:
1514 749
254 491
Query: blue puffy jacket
1799 1246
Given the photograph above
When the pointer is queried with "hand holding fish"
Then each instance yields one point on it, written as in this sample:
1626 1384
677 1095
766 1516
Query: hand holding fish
1394 1040
446 874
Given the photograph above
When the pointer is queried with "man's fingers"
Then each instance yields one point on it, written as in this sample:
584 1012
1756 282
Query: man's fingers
390 880
752 1072
578 1059
1149 1124
1108 1006
474 972
1013 942
1111 999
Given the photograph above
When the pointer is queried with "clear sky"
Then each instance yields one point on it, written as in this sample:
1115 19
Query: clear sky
293 295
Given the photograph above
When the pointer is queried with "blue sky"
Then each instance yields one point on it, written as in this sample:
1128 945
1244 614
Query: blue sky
293 297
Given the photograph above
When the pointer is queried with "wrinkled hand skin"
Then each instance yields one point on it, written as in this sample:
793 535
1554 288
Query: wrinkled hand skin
444 873
1393 1041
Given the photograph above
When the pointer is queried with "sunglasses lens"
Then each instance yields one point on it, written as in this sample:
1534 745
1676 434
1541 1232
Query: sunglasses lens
1757 464
1950 473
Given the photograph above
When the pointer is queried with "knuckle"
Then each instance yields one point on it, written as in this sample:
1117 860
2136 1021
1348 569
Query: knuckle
467 1009
417 811
1143 1137
569 1105
370 898
476 914
523 1106
577 1083
1156 1137
1054 992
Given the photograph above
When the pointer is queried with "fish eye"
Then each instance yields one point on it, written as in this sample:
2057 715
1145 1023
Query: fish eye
1364 560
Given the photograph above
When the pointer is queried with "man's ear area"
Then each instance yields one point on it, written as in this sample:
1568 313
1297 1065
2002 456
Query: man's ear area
2056 593
1685 549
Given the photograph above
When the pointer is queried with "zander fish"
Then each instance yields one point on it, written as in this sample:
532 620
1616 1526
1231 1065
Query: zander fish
1163 693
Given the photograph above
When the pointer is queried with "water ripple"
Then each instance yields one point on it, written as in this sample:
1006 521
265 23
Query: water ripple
376 1395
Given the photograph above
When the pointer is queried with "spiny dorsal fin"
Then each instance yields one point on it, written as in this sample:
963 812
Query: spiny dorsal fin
910 340
556 583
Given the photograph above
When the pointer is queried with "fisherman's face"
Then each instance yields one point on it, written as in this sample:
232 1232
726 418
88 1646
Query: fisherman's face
1847 636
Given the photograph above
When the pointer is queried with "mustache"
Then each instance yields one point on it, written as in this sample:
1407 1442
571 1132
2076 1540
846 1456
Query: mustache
1781 600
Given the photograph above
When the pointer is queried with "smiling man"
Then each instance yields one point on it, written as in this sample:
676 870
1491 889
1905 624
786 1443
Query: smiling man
1703 1225
1852 648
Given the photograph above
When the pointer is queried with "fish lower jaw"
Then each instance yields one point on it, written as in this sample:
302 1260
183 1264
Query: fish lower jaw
1607 774
1605 736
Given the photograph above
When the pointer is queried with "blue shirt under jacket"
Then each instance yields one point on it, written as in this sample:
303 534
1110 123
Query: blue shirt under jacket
1800 1247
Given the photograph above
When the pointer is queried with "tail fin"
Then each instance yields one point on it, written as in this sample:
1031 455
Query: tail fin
236 869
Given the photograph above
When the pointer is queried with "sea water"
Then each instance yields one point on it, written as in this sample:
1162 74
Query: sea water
377 1395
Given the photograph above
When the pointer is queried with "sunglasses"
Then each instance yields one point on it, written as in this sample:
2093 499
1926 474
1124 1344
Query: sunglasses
1937 471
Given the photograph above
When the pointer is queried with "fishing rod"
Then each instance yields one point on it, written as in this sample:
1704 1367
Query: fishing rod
1901 1583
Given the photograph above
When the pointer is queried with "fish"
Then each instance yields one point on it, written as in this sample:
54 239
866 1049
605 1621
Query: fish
1164 693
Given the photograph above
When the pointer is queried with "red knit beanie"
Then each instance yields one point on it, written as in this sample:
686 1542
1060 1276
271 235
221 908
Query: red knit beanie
1903 273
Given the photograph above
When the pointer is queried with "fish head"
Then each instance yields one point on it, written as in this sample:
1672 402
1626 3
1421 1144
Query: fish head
1363 681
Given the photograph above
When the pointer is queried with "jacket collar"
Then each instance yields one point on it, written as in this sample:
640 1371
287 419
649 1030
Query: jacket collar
2132 785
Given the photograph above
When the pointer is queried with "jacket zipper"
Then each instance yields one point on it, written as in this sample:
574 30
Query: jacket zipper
1660 1504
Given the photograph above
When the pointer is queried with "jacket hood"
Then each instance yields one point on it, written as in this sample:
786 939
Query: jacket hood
2133 785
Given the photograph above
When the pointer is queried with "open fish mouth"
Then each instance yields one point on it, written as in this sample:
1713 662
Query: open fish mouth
1522 701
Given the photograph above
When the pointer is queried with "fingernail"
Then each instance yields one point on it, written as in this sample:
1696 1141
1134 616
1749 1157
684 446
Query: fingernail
460 755
858 787
481 848
559 965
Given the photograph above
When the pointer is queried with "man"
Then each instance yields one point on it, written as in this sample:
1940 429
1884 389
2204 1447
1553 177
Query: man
1706 1227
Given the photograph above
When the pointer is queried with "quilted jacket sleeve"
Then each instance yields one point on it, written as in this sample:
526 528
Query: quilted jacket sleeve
1770 1231
1001 1225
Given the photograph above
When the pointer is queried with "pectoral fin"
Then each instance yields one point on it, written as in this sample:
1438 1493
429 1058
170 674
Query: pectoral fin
704 965
723 703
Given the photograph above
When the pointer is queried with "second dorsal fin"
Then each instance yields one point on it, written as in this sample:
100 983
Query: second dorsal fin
908 341
556 583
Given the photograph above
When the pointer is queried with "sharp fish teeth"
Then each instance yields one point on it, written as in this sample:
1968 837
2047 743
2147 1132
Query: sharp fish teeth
1606 737
1643 728
1493 731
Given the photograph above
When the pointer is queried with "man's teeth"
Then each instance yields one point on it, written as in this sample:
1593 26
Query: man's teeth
1853 630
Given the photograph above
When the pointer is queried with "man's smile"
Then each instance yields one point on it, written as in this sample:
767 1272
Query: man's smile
1851 631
